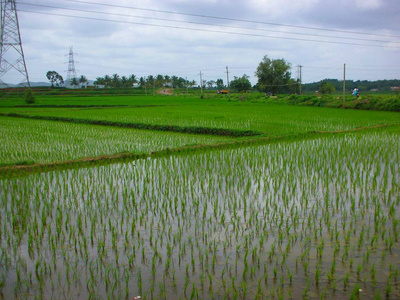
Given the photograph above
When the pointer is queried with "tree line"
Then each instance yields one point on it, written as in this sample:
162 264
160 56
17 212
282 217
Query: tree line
362 85
273 76
117 81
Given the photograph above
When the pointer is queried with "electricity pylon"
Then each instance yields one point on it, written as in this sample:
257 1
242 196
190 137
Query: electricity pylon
11 54
71 68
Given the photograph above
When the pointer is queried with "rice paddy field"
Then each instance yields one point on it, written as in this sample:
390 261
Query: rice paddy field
43 141
297 211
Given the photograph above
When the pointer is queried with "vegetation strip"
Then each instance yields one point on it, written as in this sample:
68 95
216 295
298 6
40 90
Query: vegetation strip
173 128
18 170
79 106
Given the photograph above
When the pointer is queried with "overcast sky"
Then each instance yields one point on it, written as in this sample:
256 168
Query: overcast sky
184 37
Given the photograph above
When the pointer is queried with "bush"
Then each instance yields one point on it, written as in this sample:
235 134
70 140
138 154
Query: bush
29 98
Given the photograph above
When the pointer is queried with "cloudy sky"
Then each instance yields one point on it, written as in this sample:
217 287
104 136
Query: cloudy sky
184 37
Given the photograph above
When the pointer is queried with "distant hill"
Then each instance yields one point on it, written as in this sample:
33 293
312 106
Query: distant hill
40 84
33 84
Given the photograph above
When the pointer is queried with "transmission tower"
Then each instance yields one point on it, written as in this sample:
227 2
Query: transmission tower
71 68
11 54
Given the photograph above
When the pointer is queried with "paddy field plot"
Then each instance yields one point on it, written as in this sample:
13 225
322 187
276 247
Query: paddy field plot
293 212
37 141
317 218
267 118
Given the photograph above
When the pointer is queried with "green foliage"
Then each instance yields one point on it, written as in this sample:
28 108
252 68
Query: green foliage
241 84
55 78
74 82
273 75
363 85
220 84
326 88
82 80
29 98
145 83
370 102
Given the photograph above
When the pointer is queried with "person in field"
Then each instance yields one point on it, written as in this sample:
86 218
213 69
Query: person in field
356 92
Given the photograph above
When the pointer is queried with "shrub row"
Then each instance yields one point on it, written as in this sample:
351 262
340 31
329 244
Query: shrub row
384 103
173 128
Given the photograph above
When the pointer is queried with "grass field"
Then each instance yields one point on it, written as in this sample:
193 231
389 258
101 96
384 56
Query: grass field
294 212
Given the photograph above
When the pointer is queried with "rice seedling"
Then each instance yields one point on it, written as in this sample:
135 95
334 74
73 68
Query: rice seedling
183 226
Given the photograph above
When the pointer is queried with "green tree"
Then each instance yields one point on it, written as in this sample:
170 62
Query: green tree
99 81
142 82
159 80
124 82
74 82
211 84
241 84
220 84
115 81
107 81
82 80
326 87
54 78
273 75
132 80
167 81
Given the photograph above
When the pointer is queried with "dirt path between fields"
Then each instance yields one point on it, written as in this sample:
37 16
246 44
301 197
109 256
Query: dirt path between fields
165 92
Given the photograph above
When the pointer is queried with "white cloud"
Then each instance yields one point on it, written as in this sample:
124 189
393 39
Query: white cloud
368 4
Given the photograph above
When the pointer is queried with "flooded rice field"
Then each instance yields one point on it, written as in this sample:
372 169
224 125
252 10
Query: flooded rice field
318 218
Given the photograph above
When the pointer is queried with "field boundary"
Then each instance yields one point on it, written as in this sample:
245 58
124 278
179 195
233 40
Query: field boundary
20 170
144 126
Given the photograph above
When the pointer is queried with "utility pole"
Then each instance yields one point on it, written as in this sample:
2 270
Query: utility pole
344 86
11 45
71 68
300 76
154 86
227 78
201 85
186 86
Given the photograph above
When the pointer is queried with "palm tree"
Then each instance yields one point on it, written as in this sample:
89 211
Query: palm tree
211 84
82 80
115 80
74 82
167 80
132 80
124 82
99 81
159 80
107 81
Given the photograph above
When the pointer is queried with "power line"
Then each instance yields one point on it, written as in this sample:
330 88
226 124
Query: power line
232 19
211 31
206 24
